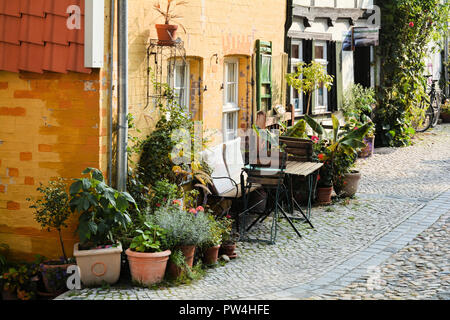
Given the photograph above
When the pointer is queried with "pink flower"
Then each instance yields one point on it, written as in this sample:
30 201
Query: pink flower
200 208
315 139
158 205
228 216
411 24
178 202
356 128
193 211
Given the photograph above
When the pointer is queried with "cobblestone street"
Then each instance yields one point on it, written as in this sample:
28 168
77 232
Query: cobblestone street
390 242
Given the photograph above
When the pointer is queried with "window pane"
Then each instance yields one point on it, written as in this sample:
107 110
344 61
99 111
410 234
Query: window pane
179 76
231 93
295 51
231 72
318 52
321 96
265 68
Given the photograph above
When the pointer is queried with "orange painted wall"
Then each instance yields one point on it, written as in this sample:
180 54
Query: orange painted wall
49 126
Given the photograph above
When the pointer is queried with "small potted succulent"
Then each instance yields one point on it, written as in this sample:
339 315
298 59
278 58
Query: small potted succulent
147 255
166 32
186 229
101 210
51 212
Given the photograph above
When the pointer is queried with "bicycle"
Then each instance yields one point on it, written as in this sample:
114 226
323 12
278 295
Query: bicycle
430 109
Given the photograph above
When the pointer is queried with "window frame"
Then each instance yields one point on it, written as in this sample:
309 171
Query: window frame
230 106
293 63
318 109
185 104
225 129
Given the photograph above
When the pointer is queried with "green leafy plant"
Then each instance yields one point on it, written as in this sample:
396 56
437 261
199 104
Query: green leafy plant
338 148
358 107
52 209
162 192
149 240
21 279
216 231
308 78
101 209
445 108
228 236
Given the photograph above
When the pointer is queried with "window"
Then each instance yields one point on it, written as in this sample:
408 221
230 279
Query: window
320 55
296 58
179 82
230 99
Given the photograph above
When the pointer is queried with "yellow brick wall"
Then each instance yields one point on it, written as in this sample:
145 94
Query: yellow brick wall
49 126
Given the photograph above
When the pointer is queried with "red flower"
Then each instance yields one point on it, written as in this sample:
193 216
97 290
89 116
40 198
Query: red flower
356 128
200 208
178 202
411 24
158 205
228 216
321 156
193 211
315 139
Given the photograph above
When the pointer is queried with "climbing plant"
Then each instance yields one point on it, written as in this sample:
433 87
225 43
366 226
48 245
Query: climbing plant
408 28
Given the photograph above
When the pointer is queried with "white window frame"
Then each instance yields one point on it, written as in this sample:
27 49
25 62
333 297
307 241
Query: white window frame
321 108
230 106
185 104
294 62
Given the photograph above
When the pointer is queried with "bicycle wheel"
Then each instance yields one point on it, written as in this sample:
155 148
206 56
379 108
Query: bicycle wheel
424 118
436 106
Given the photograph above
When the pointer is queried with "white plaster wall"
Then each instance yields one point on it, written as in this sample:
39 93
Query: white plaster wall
339 3
324 3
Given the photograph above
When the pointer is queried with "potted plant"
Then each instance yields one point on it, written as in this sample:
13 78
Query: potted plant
229 238
51 212
212 244
325 178
166 32
147 257
339 151
445 111
358 109
19 282
185 231
102 209
307 79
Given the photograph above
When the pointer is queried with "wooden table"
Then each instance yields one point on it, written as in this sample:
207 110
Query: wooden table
302 169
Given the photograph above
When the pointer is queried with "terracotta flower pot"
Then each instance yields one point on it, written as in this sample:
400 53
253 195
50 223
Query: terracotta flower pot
188 253
166 33
148 268
211 255
351 183
445 117
98 265
324 195
228 249
45 269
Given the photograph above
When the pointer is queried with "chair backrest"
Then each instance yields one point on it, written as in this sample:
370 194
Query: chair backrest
214 158
234 160
300 150
268 175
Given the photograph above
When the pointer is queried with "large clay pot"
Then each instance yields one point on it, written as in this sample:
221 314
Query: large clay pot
46 268
188 253
324 195
211 255
98 265
166 33
445 117
351 183
147 268
228 249
368 150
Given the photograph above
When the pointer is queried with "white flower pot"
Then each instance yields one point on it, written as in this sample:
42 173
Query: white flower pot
98 265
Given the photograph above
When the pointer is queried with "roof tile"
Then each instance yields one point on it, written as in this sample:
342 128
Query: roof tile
76 59
56 57
9 7
32 29
32 7
11 25
9 57
31 57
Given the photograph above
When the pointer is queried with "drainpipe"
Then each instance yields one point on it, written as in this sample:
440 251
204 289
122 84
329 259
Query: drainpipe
111 85
122 136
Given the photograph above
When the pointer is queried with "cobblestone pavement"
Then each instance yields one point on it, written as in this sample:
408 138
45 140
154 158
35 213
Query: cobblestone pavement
402 193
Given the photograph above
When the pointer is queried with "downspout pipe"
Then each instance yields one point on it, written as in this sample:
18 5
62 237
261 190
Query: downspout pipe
122 136
111 85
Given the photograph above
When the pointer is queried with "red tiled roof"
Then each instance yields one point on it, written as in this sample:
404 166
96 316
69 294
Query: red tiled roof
34 37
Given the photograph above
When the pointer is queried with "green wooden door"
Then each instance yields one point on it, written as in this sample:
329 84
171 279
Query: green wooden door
263 75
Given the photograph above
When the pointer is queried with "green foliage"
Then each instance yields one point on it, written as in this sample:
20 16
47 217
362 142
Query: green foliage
298 130
4 250
228 236
149 240
445 108
358 107
21 279
101 209
162 192
337 149
408 27
183 228
217 229
52 208
308 78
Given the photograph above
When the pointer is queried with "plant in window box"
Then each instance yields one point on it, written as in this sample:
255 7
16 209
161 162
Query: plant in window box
147 255
185 230
338 153
308 78
166 32
52 212
103 211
